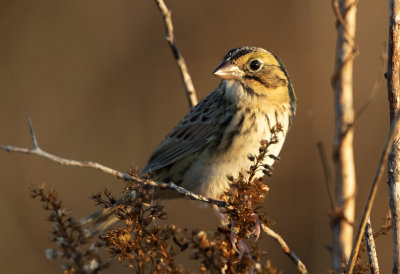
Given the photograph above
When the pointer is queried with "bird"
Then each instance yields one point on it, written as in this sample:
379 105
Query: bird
213 140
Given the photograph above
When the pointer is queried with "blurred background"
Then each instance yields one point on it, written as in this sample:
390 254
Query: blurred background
100 83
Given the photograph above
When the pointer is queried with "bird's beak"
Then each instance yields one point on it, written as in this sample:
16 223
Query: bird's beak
228 71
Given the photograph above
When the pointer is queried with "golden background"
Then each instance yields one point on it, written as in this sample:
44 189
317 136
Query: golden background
101 84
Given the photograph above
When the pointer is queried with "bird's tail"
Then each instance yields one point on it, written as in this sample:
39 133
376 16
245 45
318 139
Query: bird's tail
104 218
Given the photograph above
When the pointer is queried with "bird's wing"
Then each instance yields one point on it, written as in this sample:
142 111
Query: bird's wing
192 133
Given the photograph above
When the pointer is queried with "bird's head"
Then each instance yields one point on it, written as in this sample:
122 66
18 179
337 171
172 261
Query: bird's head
260 73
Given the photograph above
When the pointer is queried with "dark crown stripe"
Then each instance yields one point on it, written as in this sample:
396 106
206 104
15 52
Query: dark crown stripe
240 51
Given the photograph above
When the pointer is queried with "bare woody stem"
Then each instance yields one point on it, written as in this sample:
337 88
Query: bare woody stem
371 248
393 84
299 264
395 125
183 70
342 82
36 150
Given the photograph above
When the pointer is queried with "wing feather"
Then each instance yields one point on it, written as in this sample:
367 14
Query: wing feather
192 133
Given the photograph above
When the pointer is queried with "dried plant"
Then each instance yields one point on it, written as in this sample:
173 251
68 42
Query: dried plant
73 244
140 243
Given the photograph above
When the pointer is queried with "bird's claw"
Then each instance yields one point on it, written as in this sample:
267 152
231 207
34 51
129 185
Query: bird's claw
239 246
257 226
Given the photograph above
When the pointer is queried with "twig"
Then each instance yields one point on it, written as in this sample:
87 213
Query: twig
386 226
371 248
393 85
36 150
374 189
169 36
342 82
327 173
376 86
299 264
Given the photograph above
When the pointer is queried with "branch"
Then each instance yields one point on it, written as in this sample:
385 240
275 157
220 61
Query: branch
393 85
374 189
169 36
36 150
371 248
342 83
299 264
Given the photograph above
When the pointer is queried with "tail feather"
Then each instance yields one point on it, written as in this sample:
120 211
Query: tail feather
104 218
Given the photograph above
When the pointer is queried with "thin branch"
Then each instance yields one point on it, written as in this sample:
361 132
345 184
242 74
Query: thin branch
169 36
327 172
371 248
32 132
299 264
377 84
374 189
121 175
386 226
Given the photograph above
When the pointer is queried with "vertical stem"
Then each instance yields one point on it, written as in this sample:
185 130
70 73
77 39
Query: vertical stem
393 83
345 11
371 248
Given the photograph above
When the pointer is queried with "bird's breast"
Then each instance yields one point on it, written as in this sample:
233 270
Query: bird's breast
228 153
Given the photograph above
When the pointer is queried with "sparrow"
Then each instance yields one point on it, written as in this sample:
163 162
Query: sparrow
213 140
254 101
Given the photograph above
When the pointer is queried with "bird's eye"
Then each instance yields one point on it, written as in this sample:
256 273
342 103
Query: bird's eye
255 65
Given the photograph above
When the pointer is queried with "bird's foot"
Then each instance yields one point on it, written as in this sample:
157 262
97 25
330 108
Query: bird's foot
257 226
